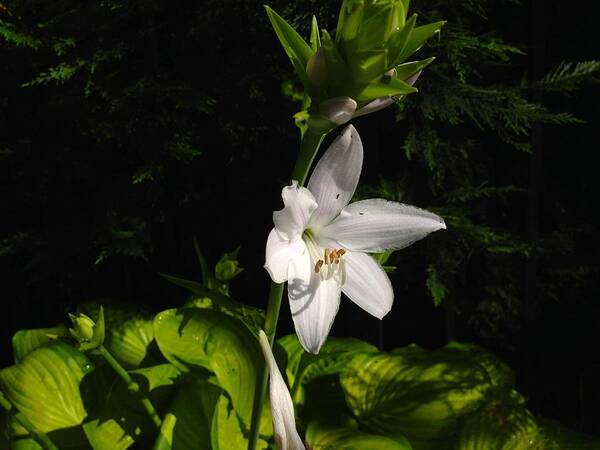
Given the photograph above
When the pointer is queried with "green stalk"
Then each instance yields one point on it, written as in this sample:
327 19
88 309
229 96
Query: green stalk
311 141
39 436
131 385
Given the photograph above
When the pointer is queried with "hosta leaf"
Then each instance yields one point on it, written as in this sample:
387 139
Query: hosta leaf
129 341
227 433
327 437
107 435
45 386
24 341
188 420
332 358
501 427
193 338
416 394
119 420
499 372
158 376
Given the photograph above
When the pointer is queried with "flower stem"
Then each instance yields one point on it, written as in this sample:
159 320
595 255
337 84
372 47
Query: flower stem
131 385
311 140
308 150
39 436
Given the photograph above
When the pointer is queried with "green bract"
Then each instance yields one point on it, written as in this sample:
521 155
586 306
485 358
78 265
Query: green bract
366 59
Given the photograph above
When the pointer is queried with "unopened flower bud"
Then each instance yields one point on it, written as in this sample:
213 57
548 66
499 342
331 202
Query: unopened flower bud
83 327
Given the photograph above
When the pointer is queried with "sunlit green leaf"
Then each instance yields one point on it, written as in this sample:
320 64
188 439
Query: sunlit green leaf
323 437
158 376
24 341
194 338
499 372
188 420
414 393
501 427
45 386
227 432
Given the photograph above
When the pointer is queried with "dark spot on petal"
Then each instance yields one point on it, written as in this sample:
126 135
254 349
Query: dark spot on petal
337 196
361 214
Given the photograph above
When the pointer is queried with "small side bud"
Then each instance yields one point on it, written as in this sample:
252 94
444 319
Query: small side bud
87 333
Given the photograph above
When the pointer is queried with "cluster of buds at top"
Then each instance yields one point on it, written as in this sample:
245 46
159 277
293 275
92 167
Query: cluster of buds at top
364 66
88 334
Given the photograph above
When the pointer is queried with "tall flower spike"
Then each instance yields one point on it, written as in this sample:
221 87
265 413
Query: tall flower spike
363 67
320 242
282 407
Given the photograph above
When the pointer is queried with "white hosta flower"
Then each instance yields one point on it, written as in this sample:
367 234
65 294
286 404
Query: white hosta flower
320 242
282 407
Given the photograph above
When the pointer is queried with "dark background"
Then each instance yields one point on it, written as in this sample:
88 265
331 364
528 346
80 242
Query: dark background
127 128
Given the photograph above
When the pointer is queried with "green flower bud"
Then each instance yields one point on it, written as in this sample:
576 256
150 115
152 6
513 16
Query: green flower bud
365 62
83 327
228 267
89 334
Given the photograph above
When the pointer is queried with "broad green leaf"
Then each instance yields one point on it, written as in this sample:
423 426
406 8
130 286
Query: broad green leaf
419 395
25 443
391 87
332 358
192 338
45 386
129 331
119 419
499 372
365 441
501 427
107 435
323 437
24 341
227 432
188 420
128 342
158 376
418 37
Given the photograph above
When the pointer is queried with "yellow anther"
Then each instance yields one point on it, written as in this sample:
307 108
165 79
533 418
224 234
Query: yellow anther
318 266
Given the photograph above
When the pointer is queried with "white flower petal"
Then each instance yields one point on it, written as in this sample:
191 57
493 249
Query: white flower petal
367 284
313 302
282 407
377 225
279 252
374 106
299 203
335 177
338 109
